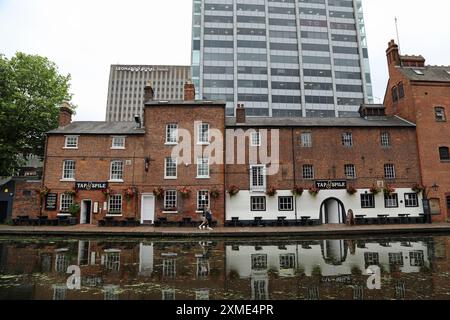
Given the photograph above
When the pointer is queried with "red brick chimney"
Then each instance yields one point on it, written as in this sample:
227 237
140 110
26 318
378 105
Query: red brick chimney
240 113
149 94
393 54
189 91
65 115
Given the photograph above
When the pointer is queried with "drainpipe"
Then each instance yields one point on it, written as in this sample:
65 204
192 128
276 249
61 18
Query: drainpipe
294 168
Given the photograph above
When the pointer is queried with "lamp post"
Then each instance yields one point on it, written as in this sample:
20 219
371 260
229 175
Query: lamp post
426 202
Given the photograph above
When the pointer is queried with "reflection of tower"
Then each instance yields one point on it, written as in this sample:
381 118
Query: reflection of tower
334 252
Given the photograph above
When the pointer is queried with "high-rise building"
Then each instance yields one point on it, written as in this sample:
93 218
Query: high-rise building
126 88
282 58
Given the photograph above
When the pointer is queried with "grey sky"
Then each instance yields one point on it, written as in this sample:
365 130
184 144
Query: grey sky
84 37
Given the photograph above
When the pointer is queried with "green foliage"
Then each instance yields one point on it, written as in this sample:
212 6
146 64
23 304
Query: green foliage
31 92
74 209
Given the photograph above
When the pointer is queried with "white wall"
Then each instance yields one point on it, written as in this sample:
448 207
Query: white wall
308 205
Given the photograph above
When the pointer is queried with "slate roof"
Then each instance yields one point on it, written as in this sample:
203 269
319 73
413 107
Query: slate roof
430 73
100 128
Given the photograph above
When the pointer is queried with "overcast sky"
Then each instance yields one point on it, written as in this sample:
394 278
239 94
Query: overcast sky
84 37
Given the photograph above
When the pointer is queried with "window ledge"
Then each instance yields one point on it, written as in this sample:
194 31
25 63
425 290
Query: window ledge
67 180
171 143
446 160
64 215
113 215
170 212
170 178
117 148
70 148
116 181
203 143
203 177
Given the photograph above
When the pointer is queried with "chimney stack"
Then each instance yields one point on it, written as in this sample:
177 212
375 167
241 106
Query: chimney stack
393 54
240 113
149 94
189 91
65 115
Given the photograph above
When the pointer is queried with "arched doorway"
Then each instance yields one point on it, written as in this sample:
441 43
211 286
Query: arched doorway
332 211
334 252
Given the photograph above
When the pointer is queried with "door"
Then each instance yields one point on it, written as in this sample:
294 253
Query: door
148 209
86 206
3 211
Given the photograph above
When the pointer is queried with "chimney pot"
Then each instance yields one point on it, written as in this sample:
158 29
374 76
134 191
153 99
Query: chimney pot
65 115
189 91
149 93
240 113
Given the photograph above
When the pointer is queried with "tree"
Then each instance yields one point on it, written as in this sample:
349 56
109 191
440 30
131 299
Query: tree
31 91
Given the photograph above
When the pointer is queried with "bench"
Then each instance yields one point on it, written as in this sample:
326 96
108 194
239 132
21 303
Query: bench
382 218
305 220
258 222
281 221
404 218
361 219
235 221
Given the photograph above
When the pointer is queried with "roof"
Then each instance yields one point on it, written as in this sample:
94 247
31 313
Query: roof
212 103
430 73
100 128
4 181
320 122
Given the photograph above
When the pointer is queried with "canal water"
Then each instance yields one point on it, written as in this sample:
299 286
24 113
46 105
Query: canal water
247 269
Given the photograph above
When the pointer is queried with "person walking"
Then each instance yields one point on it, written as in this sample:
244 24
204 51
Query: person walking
209 218
204 220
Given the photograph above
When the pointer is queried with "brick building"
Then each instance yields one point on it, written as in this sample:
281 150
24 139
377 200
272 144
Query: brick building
421 94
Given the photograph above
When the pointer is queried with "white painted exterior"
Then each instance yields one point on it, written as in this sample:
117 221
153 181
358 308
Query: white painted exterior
308 205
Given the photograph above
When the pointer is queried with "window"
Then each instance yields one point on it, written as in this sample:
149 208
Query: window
367 201
385 139
115 204
411 200
401 90
172 133
258 203
285 203
440 114
202 168
116 170
170 199
389 171
203 133
350 171
170 171
68 170
416 258
308 172
371 259
347 139
306 139
257 178
118 143
391 200
202 199
448 202
255 139
287 261
395 259
259 262
168 294
394 94
71 142
66 201
444 153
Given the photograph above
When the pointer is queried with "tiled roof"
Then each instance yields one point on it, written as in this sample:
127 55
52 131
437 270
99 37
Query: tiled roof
430 73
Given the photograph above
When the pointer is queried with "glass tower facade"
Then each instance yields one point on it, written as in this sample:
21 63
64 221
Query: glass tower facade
282 58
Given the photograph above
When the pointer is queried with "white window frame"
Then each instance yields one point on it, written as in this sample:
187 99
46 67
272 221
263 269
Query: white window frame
368 201
391 200
200 134
439 113
65 201
306 139
285 203
304 171
203 199
116 146
350 171
203 168
385 139
70 146
174 195
347 139
254 204
115 205
68 170
169 139
175 161
260 185
114 175
389 171
255 139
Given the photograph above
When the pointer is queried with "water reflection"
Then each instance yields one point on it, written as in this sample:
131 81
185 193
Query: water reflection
412 268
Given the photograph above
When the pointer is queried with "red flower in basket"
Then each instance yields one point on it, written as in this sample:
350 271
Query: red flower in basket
185 192
158 192
375 190
351 190
388 190
313 191
271 191
297 191
129 193
233 190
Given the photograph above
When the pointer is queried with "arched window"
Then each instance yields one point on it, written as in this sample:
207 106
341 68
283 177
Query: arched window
444 153
395 94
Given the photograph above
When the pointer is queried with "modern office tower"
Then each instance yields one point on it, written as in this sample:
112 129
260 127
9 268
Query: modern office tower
126 88
282 58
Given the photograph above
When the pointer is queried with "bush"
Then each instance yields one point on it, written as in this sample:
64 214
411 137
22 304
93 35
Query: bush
74 209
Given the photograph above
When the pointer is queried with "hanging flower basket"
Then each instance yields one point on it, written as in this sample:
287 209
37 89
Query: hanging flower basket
313 191
129 193
185 192
417 188
107 192
233 190
351 190
71 192
388 190
271 191
375 190
297 191
158 192
215 193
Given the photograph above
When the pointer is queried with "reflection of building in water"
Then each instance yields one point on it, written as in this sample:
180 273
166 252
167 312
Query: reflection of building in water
334 252
46 262
202 294
312 293
168 294
111 260
61 260
111 292
400 291
83 253
358 293
145 260
169 265
59 292
260 285
203 266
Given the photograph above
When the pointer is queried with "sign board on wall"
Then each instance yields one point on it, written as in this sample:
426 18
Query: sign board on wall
331 184
91 185
51 201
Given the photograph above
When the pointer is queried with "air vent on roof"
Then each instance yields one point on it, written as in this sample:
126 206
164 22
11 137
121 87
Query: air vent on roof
419 72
